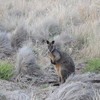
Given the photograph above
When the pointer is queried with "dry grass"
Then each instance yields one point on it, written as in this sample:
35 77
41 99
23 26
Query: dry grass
65 21
5 46
45 18
76 88
25 61
19 37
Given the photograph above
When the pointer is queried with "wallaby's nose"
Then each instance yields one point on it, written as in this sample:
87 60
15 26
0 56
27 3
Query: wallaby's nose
51 48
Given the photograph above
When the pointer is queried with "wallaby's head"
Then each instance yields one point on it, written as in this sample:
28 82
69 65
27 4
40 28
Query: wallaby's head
50 45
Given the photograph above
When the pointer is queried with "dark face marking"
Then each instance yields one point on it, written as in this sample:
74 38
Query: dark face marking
50 46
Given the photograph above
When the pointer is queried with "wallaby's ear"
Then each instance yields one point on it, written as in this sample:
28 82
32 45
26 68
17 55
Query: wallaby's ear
47 42
53 42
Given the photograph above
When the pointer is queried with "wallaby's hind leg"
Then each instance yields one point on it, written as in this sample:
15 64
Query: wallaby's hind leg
57 83
65 75
63 80
59 79
59 75
57 68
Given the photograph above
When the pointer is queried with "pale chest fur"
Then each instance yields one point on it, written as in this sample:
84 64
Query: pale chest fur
56 66
51 56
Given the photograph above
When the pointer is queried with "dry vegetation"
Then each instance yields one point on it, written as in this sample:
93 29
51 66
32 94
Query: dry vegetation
76 88
45 19
25 25
5 46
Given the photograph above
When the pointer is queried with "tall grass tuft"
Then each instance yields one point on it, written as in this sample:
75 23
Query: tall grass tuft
92 66
19 37
5 45
6 70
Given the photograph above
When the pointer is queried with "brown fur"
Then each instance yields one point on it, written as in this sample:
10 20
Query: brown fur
56 66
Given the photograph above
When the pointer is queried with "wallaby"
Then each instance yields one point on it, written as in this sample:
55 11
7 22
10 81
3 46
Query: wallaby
63 63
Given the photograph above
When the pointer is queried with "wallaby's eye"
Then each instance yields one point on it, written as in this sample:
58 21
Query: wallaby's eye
47 42
53 42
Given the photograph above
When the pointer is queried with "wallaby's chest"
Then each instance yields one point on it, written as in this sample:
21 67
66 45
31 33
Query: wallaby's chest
51 56
56 66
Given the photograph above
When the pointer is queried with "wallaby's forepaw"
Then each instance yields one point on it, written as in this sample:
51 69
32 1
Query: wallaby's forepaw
56 84
53 62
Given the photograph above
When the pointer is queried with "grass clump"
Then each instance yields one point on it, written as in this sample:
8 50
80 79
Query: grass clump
44 86
92 66
6 70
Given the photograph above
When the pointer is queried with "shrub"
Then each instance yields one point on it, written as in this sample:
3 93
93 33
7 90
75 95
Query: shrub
51 26
5 46
6 70
58 42
20 36
16 13
2 97
47 28
39 34
26 63
63 39
25 59
92 65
